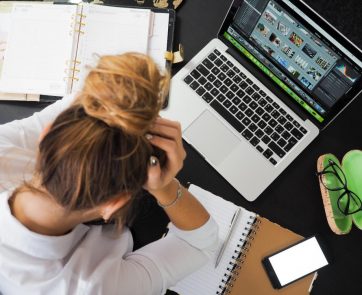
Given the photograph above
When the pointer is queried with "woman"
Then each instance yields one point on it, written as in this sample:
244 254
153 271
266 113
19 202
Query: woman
91 163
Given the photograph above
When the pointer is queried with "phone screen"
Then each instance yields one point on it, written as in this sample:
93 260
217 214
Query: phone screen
297 261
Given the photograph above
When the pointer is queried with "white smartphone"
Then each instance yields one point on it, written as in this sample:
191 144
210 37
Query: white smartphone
295 262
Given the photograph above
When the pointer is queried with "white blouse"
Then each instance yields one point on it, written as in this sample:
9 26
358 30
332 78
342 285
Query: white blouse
89 259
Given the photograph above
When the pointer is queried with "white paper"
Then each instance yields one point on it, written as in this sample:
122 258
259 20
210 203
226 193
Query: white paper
39 45
206 281
111 30
5 13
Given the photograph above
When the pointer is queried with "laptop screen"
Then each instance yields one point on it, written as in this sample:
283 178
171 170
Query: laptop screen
299 55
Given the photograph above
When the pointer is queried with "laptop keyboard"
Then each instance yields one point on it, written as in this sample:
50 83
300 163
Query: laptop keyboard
249 110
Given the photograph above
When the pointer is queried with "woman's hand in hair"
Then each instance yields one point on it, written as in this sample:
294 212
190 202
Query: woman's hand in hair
165 135
183 209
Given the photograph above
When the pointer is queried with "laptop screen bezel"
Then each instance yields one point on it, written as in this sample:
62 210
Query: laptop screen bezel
347 44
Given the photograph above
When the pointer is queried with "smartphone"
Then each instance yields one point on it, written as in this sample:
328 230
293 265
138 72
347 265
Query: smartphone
295 262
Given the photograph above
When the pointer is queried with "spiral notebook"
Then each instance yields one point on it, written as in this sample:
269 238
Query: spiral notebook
240 270
49 48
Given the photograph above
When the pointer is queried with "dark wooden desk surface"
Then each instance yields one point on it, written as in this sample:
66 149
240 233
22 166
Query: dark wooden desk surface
293 200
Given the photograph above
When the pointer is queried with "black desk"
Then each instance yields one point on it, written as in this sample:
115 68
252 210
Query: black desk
293 200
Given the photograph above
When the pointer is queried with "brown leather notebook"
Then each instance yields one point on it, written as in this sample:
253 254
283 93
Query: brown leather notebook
249 276
240 270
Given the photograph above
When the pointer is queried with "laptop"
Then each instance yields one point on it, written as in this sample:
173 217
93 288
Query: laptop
257 95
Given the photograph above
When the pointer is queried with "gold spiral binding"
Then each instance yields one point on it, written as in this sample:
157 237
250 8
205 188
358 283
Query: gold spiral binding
70 78
75 70
238 259
77 23
71 70
72 63
80 24
72 66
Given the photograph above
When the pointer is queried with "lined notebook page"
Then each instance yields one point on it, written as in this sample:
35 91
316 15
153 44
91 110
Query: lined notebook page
5 15
39 45
206 281
111 30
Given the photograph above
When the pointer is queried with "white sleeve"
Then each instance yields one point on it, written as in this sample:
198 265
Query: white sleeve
19 141
163 263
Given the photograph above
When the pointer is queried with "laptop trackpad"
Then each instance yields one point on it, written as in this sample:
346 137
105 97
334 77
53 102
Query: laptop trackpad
211 138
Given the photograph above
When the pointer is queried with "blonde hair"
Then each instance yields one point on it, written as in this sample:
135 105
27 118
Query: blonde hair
125 91
96 148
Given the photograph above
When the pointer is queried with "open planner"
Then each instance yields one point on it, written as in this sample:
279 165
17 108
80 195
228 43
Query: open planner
48 48
240 270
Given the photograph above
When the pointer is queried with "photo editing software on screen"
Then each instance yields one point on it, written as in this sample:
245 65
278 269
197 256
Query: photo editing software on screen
301 63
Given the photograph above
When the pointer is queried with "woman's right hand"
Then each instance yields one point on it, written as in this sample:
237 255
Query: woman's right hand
167 136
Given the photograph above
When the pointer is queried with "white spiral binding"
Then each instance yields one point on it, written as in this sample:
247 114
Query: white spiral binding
236 261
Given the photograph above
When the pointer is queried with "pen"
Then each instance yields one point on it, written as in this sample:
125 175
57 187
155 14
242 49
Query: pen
227 238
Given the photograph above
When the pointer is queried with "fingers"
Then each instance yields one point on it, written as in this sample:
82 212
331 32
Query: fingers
161 122
166 122
167 136
166 132
153 174
170 146
167 128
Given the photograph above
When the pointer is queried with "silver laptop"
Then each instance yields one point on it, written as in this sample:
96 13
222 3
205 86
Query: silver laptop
255 97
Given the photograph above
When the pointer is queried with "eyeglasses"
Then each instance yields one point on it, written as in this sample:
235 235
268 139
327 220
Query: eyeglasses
348 202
